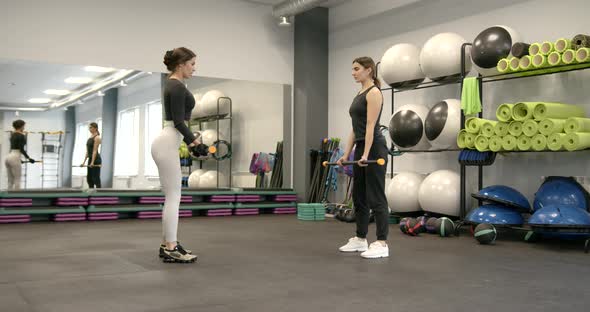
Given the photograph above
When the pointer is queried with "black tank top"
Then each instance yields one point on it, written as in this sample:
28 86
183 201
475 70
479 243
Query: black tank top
90 149
18 142
358 112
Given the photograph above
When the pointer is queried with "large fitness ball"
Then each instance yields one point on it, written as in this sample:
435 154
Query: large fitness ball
209 136
445 227
490 46
193 179
443 124
402 192
406 127
439 193
440 58
209 179
197 109
400 66
485 233
209 103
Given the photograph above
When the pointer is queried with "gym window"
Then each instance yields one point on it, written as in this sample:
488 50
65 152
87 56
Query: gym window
127 145
153 126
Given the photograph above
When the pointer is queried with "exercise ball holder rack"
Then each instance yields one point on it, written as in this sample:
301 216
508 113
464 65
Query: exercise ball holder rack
502 77
216 118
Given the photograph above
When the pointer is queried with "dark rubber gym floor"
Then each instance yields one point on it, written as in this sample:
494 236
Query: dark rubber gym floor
276 263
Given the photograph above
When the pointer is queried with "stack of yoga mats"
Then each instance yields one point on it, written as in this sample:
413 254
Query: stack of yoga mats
528 126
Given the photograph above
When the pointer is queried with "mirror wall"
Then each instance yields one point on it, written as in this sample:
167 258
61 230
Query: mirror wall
59 102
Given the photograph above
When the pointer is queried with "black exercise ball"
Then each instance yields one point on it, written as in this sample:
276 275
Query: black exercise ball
490 46
443 123
431 225
403 225
406 127
422 221
413 227
485 233
445 227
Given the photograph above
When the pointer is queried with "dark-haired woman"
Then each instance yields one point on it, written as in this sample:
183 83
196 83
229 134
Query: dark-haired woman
368 190
178 104
13 162
93 175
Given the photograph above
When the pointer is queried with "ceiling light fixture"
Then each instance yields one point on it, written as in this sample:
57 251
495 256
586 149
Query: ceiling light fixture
123 84
39 100
100 93
284 21
78 80
98 69
56 92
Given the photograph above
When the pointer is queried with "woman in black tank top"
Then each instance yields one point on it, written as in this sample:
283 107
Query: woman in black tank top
368 191
95 161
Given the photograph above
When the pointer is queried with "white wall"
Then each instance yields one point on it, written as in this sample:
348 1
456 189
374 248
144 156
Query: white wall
89 111
232 38
36 122
415 23
257 121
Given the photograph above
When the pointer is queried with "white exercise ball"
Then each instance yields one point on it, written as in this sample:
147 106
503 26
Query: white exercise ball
209 136
439 193
402 192
193 179
440 58
400 66
197 110
209 103
209 179
443 124
406 127
490 46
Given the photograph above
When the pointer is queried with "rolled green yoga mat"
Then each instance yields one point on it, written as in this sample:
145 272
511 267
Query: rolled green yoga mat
576 141
473 124
524 143
546 48
514 64
569 57
503 66
470 140
550 126
539 142
562 44
461 138
482 143
530 127
576 124
583 55
555 141
557 110
535 48
501 129
495 143
515 128
504 112
539 61
509 143
525 63
580 41
523 110
554 59
487 128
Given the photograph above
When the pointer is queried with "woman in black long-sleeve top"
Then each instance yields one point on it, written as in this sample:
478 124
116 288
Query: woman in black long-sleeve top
13 163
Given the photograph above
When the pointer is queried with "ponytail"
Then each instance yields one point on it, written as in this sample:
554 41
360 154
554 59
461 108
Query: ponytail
377 82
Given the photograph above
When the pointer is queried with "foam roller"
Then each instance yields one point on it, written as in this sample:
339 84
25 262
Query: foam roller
501 129
546 48
539 142
583 55
569 57
470 140
530 128
514 64
504 112
504 66
520 49
555 141
557 110
487 128
576 124
473 124
539 61
515 128
550 126
580 41
534 48
495 143
461 138
554 59
524 143
562 44
523 111
509 143
576 141
482 143
525 63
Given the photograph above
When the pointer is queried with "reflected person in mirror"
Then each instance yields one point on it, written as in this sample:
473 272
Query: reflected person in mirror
13 163
93 175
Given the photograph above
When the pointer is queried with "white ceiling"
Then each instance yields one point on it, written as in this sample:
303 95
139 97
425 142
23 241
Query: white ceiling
22 80
328 4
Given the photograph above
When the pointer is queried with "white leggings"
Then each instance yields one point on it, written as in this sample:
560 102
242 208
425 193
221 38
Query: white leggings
13 169
165 154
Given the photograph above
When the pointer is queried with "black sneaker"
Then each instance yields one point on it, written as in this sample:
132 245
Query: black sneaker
180 248
171 256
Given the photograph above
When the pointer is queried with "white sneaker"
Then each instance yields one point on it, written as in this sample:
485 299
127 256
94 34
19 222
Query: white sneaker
355 244
376 250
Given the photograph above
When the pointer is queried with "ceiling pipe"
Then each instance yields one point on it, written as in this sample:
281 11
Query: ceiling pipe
293 7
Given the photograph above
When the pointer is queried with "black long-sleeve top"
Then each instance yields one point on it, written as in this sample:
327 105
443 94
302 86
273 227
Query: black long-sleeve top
18 142
178 105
